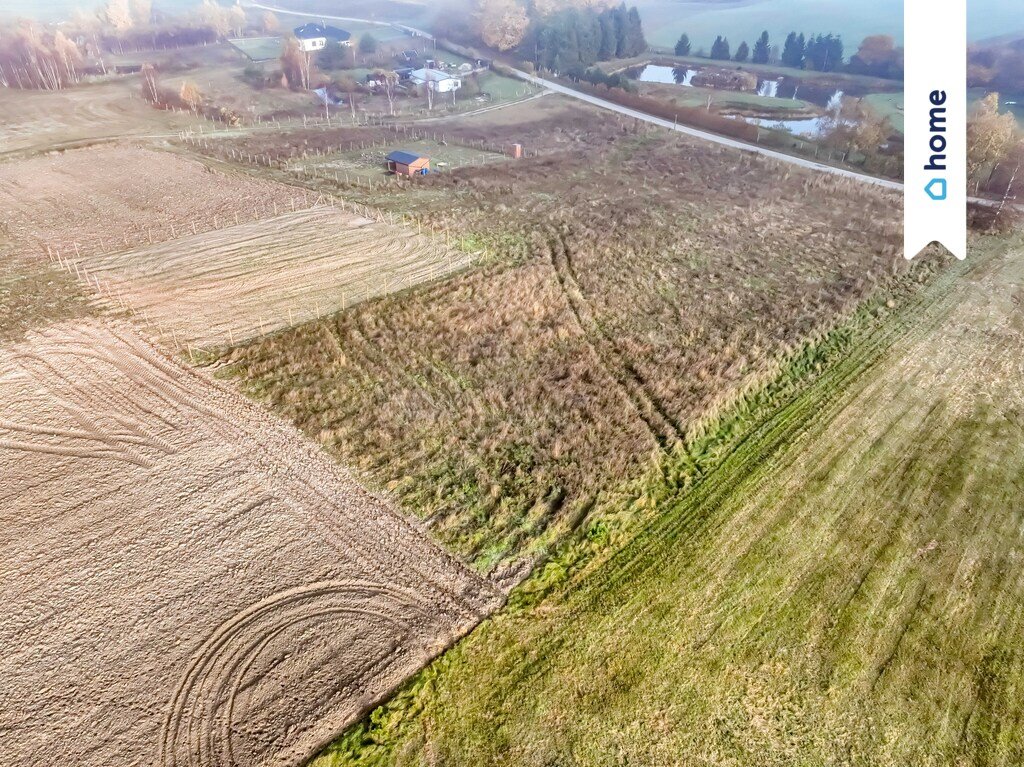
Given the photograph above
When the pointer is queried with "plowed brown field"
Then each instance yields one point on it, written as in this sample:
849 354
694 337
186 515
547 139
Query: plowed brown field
107 198
184 579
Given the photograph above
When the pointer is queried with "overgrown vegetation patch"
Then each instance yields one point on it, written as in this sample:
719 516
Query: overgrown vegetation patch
636 280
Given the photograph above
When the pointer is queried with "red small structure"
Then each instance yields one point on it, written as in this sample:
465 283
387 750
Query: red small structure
408 163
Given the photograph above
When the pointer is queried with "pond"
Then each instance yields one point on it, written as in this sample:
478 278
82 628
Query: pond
809 127
823 95
659 73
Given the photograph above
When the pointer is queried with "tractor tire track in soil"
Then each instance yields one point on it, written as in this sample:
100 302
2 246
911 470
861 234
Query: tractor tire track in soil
186 580
662 427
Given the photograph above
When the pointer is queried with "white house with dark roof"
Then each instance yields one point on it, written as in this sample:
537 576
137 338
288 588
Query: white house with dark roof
437 81
315 37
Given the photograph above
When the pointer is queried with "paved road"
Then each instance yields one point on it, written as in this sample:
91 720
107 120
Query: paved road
712 137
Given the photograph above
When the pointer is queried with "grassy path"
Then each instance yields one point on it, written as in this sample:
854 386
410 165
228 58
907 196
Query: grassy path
845 588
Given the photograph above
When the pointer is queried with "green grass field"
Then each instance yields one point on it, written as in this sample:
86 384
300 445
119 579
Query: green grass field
665 20
259 48
830 575
888 105
503 88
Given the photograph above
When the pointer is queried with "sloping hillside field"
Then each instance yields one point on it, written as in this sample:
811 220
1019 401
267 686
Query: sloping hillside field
846 588
184 579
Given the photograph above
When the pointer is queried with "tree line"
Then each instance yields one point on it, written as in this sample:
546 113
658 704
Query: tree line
577 38
49 57
878 55
997 65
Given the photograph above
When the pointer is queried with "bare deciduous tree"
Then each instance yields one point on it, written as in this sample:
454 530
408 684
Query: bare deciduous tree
236 19
150 87
501 24
296 64
215 17
389 80
33 57
141 11
191 96
270 22
989 139
118 14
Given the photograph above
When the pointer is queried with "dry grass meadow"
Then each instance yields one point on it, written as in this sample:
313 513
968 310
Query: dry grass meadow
185 580
635 282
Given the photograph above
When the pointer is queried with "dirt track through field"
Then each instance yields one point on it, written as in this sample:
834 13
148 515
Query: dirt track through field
234 283
185 580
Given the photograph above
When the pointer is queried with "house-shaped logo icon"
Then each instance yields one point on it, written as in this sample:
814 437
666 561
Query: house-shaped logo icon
936 189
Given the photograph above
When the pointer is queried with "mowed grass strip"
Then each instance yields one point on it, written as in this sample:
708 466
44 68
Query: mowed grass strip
844 589
233 283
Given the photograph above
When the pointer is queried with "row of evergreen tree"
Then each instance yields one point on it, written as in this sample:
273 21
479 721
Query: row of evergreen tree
760 54
576 38
823 53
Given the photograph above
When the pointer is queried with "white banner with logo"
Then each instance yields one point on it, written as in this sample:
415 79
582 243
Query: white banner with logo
935 119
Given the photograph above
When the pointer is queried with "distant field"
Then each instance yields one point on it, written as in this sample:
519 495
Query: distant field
259 48
888 105
34 120
383 33
111 197
891 105
418 14
183 569
63 10
702 20
843 589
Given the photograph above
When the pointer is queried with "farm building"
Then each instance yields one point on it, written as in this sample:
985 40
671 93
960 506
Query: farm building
439 82
408 163
315 37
